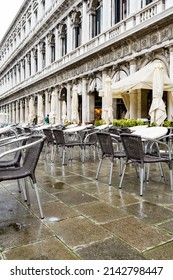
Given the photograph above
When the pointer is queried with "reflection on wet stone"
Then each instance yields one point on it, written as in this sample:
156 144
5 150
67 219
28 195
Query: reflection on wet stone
85 218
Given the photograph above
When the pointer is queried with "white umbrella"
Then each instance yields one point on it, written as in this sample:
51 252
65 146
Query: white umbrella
64 112
31 110
157 110
107 115
75 113
52 114
40 118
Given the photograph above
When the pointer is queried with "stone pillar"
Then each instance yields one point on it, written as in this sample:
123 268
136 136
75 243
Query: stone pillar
57 100
17 73
69 89
32 62
39 58
13 113
17 111
59 120
134 6
47 102
21 111
91 27
26 111
48 55
104 75
170 94
27 65
69 35
22 67
10 113
84 101
107 14
85 24
133 94
57 44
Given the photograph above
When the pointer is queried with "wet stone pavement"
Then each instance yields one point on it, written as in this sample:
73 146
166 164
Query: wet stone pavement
87 219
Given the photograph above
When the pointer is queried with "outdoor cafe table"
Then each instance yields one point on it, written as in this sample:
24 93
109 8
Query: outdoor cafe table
151 132
75 129
39 128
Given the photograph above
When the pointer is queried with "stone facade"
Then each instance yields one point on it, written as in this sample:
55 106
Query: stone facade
55 44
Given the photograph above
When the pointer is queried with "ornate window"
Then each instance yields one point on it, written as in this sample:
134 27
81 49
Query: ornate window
95 18
64 39
77 28
145 2
43 52
120 10
51 42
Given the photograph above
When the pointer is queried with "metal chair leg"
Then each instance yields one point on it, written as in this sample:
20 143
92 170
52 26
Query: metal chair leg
38 200
141 180
98 169
122 177
171 178
110 174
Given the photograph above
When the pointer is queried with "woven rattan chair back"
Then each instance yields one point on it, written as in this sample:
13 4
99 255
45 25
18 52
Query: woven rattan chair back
59 137
31 156
133 147
49 136
106 145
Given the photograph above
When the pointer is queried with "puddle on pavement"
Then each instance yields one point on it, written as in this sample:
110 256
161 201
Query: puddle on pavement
52 219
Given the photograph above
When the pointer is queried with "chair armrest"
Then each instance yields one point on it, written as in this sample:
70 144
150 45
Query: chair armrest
13 140
24 147
89 134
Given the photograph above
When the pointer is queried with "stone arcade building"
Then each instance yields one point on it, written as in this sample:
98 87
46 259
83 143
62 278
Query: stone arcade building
53 45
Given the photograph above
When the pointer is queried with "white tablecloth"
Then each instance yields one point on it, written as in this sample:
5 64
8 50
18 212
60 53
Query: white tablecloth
151 132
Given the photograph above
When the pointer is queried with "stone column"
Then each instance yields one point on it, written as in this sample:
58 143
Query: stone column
22 67
27 61
32 62
107 14
48 56
10 113
57 100
85 24
17 111
84 101
170 94
59 120
104 75
69 35
69 89
47 102
57 44
133 94
21 111
7 114
17 73
39 58
26 111
13 113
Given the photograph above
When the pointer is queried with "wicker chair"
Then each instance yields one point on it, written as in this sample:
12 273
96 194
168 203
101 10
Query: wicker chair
50 141
32 151
68 142
90 141
136 153
106 144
